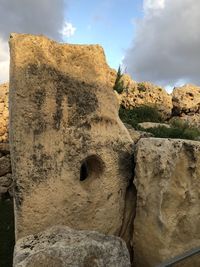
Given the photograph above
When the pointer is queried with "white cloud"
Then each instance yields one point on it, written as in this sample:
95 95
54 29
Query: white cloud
153 4
35 17
68 30
4 71
4 61
166 45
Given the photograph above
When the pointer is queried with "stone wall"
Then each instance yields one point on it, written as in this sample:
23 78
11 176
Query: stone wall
4 113
72 156
5 170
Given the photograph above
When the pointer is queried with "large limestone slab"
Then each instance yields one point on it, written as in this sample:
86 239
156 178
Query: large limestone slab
70 152
167 222
61 246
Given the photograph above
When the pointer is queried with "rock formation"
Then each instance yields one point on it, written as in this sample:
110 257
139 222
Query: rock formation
167 221
145 93
61 246
71 154
186 104
4 112
73 165
186 99
147 125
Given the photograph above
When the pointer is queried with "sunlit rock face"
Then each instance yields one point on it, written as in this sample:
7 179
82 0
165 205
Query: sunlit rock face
4 113
167 222
186 99
71 155
186 104
146 93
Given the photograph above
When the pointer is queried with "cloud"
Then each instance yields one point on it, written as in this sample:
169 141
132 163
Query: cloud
31 16
4 61
166 46
153 4
4 71
68 30
28 16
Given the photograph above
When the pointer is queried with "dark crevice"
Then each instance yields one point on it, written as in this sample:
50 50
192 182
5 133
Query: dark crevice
127 228
7 235
83 172
92 166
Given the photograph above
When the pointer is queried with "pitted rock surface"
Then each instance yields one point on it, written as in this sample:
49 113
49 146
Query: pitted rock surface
147 94
71 154
186 100
167 222
4 112
61 246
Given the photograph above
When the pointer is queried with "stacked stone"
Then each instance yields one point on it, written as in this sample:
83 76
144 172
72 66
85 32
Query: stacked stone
5 170
4 113
5 165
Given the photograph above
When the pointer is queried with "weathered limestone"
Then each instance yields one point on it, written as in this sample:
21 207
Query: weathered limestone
186 104
136 135
147 125
61 246
167 222
5 166
186 99
70 152
3 112
146 93
191 119
5 170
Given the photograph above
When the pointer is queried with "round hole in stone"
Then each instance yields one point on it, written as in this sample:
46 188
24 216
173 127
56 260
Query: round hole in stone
92 166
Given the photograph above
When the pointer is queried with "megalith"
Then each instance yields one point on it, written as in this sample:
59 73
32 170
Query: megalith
167 222
71 155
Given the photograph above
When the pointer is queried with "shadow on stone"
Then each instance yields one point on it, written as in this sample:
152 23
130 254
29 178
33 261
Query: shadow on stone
7 235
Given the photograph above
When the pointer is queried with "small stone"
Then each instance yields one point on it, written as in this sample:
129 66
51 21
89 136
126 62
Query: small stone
5 165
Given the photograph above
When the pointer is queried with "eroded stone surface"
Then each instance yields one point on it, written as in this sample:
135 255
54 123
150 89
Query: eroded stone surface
61 246
6 181
70 151
167 223
147 125
186 99
4 112
5 165
146 93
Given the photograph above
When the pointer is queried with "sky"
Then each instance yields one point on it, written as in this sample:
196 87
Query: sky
153 40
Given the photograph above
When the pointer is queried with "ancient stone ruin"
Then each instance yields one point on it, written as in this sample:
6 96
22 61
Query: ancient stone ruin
71 155
87 191
167 177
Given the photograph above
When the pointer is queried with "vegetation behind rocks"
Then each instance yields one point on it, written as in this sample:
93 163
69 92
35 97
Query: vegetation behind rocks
178 129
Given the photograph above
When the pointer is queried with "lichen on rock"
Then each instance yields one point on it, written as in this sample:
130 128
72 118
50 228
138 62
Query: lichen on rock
69 148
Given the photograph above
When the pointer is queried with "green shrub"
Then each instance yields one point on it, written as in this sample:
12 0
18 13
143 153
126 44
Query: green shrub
139 114
119 84
178 130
